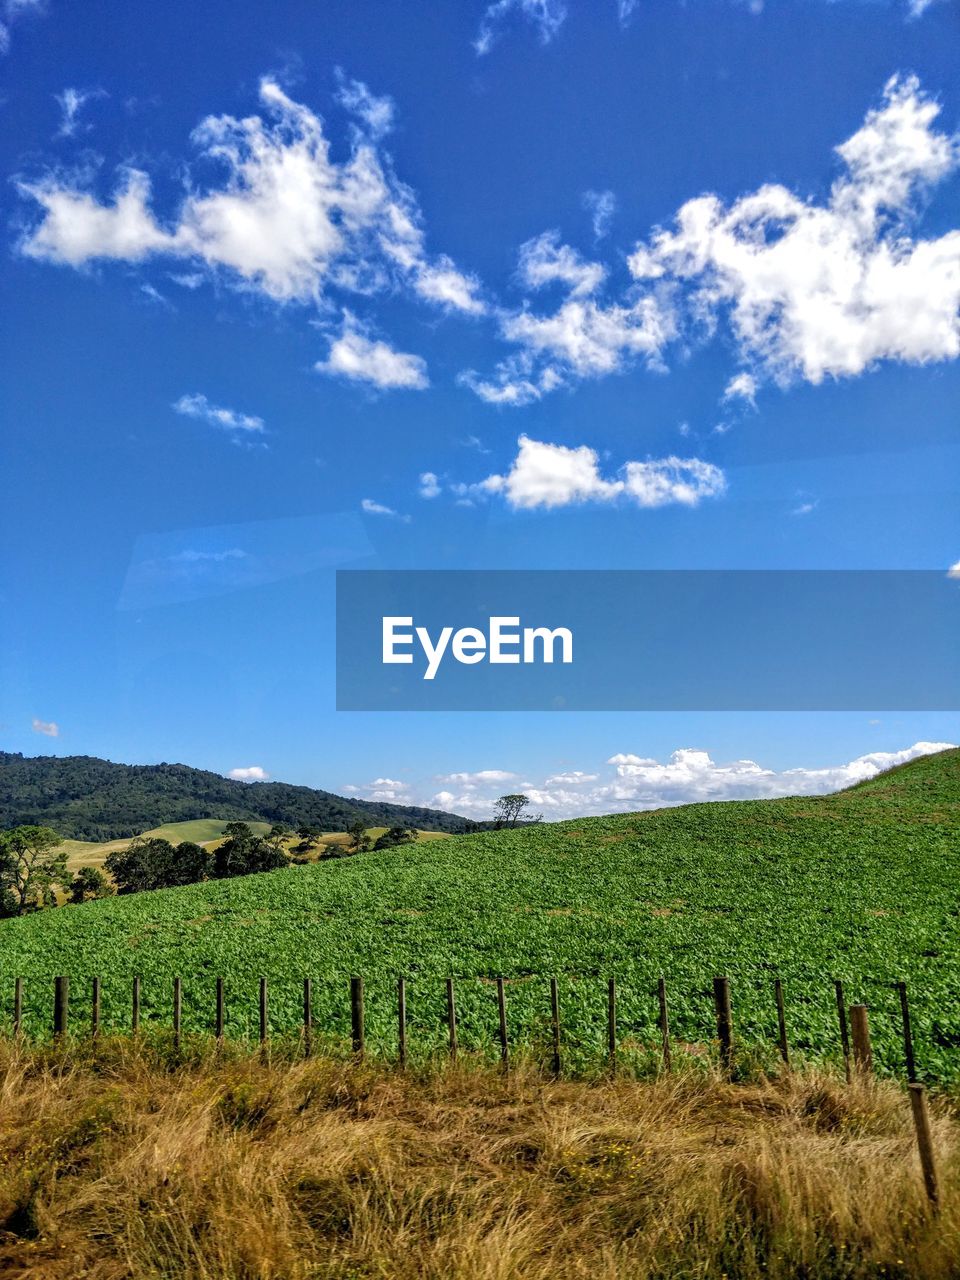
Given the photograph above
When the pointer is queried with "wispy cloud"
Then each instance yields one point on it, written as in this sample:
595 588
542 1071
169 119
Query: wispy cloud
71 103
373 508
546 16
601 205
196 405
48 727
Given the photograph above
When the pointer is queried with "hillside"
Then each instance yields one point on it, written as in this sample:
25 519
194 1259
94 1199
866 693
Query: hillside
863 886
85 798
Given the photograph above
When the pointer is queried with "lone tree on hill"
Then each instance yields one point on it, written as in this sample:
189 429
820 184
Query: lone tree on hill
508 809
31 869
394 836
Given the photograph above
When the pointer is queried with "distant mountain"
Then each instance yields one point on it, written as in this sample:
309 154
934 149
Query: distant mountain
85 798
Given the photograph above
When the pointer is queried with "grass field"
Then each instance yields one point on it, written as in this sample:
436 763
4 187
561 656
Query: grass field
862 886
120 1163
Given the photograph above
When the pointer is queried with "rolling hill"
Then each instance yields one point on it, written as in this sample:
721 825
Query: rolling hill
863 886
85 798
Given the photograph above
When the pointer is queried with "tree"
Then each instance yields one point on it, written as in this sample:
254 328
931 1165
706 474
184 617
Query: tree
31 869
395 836
89 882
244 853
508 809
156 864
359 840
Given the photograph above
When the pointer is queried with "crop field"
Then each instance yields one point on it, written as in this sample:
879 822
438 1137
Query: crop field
863 886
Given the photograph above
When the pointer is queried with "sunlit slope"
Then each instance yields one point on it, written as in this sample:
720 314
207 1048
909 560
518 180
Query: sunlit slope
864 886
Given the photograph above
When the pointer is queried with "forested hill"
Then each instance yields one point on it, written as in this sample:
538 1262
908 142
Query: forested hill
85 798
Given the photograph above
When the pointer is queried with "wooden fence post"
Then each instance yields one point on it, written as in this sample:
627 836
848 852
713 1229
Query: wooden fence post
907 1034
844 1034
307 1017
860 1034
555 1024
17 1006
219 1018
664 1024
95 1009
402 1022
264 1017
921 1123
782 1024
61 1006
721 1000
135 1007
612 1024
502 1029
177 1011
451 1020
356 1016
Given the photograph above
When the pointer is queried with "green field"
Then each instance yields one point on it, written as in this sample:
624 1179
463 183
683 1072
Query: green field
862 886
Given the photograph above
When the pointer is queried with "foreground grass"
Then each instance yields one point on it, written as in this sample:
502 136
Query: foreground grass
121 1164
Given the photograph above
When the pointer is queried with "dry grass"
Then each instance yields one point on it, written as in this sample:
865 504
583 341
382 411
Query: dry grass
122 1165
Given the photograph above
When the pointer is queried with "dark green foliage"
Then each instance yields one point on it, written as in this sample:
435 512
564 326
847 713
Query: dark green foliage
89 882
242 853
86 798
394 836
156 864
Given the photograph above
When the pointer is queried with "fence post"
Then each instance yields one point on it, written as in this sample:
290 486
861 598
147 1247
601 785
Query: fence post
135 1007
844 1034
61 1006
452 1020
721 1000
664 1024
502 1017
219 1014
921 1122
860 1032
17 1005
555 1024
612 1024
263 1011
95 1009
907 1034
782 1024
177 1011
356 1016
307 1017
402 1021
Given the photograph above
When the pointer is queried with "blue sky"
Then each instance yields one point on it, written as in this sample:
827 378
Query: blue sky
454 285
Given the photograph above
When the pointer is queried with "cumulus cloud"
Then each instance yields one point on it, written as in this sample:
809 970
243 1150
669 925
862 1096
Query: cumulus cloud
386 790
286 218
429 485
554 475
545 260
480 777
815 290
196 405
48 727
689 776
954 570
249 773
359 358
547 16
742 386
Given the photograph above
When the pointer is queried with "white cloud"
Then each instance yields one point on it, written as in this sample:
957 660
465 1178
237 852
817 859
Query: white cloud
359 358
954 570
250 773
804 508
480 777
198 406
286 218
48 727
373 508
601 205
544 260
376 113
386 790
71 103
546 15
689 776
828 290
429 485
742 386
553 475
11 11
